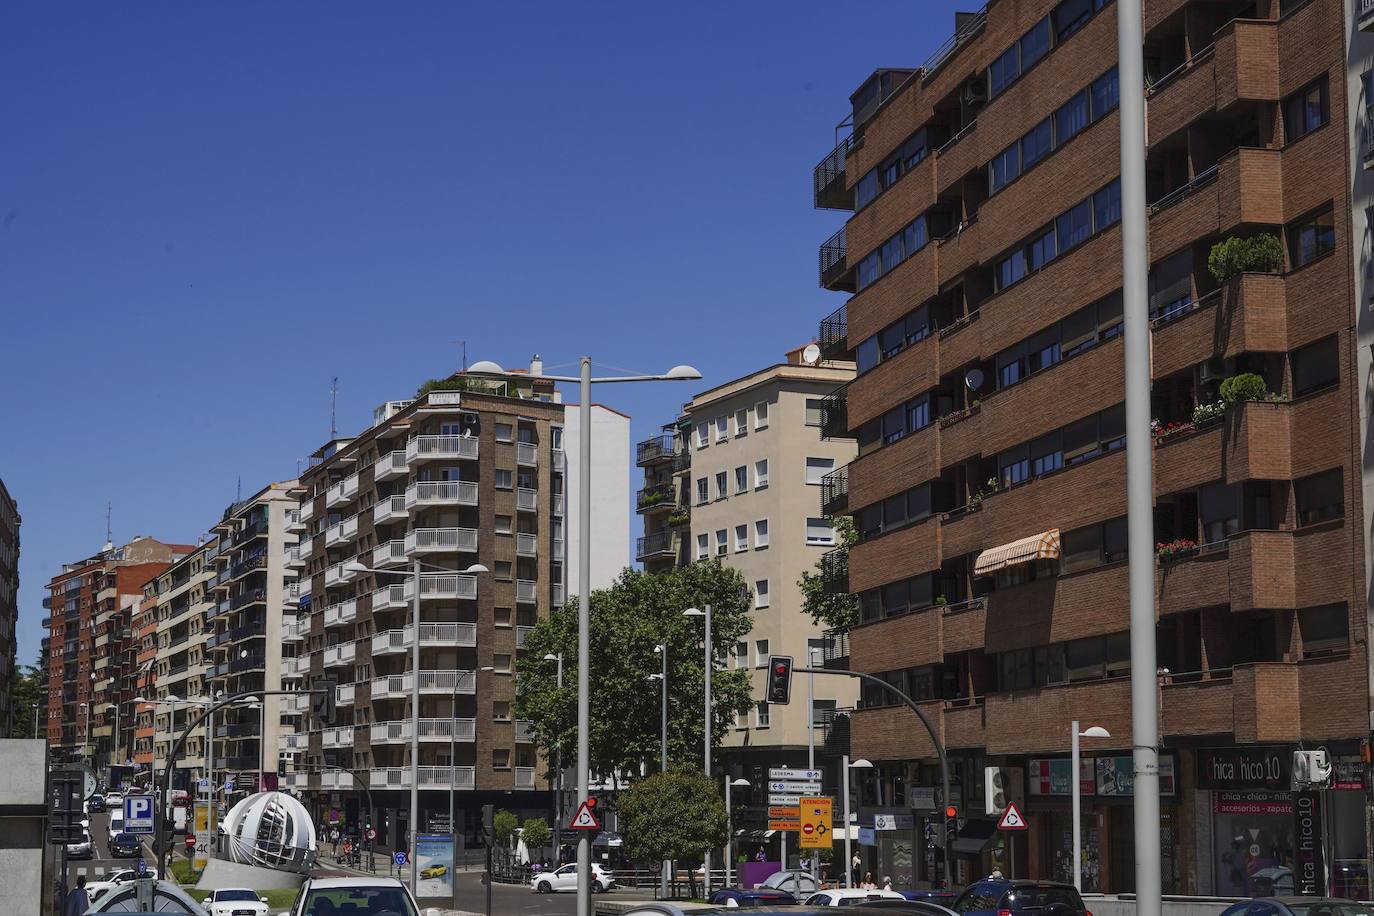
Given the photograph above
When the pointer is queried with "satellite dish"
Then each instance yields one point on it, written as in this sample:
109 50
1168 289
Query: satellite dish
467 433
811 355
973 379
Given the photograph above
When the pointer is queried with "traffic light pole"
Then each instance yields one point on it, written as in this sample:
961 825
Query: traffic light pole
934 738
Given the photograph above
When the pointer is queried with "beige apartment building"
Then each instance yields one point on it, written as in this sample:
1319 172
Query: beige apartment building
752 477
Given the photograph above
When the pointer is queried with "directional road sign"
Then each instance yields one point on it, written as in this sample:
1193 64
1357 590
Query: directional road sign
779 799
785 773
800 787
138 814
790 824
816 825
784 811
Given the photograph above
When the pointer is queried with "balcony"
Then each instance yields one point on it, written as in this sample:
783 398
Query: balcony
343 695
1364 15
389 597
558 504
294 630
526 545
392 464
835 414
439 730
661 497
1242 190
439 540
521 634
524 731
389 509
437 586
656 449
247 565
836 274
248 596
526 455
658 544
835 492
834 335
556 594
294 743
294 524
526 591
335 779
1367 132
446 635
341 614
306 511
337 737
441 493
828 181
342 493
340 655
432 448
341 532
448 682
390 553
527 499
293 557
524 777
299 666
334 575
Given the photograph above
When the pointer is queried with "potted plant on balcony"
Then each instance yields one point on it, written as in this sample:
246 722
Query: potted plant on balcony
1247 386
1175 549
680 516
1207 413
1233 256
1167 429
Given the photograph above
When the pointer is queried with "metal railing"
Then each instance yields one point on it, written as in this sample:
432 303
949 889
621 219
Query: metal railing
441 492
442 586
422 447
660 495
659 542
392 464
655 448
833 258
967 26
526 545
389 552
422 540
835 414
526 499
526 591
835 571
834 333
388 508
524 777
526 454
828 178
1206 176
835 492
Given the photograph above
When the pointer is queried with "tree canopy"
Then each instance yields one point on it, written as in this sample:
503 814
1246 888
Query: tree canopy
637 613
536 834
835 611
674 815
503 824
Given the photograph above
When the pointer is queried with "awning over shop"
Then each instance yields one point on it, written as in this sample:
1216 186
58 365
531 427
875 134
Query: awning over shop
1042 546
974 835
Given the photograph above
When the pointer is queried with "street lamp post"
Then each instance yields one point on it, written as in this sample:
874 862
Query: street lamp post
710 662
584 382
558 771
662 651
740 783
1095 731
417 577
845 767
810 739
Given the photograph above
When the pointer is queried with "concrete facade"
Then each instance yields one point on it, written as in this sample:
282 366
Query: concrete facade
610 483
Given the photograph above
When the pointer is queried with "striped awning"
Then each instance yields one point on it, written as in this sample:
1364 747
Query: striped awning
1042 546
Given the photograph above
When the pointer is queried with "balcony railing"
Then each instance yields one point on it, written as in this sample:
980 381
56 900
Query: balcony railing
834 263
344 491
293 556
341 532
341 614
835 571
430 730
966 27
1367 130
439 540
343 695
392 464
524 777
388 597
526 455
1364 15
661 497
655 449
425 448
438 586
660 543
835 492
526 591
558 504
835 651
441 493
431 777
556 594
526 545
521 634
834 334
306 511
828 180
335 779
527 499
431 634
453 681
390 553
524 731
337 737
389 509
835 414
342 654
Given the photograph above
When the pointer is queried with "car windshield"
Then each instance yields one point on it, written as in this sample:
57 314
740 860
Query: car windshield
1329 908
1026 898
235 895
358 901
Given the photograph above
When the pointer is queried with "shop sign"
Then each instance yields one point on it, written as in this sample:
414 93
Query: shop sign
1309 875
1245 768
1348 773
1252 803
893 821
1116 776
1051 776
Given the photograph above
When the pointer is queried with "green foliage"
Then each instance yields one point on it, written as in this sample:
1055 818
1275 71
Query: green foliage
536 833
674 815
1234 256
503 824
442 384
836 612
628 619
1205 413
26 690
1244 387
183 872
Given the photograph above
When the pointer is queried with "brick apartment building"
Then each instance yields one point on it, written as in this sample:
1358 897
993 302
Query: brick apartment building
982 259
9 605
91 650
454 478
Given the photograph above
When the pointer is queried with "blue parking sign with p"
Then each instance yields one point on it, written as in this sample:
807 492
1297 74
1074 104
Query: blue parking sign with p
138 814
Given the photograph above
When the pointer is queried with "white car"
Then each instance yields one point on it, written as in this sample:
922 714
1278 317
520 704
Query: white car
82 849
114 800
116 821
235 901
364 896
111 879
849 896
565 879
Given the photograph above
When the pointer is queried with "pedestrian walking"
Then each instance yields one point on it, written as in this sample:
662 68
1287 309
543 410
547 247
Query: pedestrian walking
78 901
854 865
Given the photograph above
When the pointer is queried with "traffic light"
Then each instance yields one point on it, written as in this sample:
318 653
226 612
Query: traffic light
779 679
488 824
322 698
951 826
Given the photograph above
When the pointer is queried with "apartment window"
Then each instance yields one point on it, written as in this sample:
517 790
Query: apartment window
1315 366
500 710
556 438
761 653
1219 511
703 490
819 533
761 717
1005 167
1325 630
815 411
741 538
502 616
500 758
703 546
760 473
722 485
505 432
722 542
1305 110
501 663
761 415
911 239
504 480
760 533
722 428
742 422
742 478
761 593
503 524
741 654
1311 237
503 570
1320 497
1086 548
817 468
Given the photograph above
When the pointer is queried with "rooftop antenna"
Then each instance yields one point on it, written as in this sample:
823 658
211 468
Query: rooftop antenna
238 490
333 408
109 538
299 462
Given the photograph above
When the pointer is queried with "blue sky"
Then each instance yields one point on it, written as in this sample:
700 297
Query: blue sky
208 210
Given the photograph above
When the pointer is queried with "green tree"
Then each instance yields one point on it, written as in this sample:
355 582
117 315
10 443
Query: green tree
26 691
536 834
503 824
637 613
674 815
835 611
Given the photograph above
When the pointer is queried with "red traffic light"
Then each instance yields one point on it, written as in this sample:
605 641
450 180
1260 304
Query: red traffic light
591 802
951 811
780 669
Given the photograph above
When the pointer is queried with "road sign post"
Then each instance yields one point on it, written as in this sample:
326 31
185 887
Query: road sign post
1012 822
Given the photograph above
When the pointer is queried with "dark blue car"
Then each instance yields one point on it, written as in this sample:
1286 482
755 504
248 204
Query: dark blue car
941 895
759 896
992 896
96 802
126 845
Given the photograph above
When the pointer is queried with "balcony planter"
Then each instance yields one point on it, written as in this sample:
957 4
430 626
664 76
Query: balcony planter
1231 257
1170 551
959 416
680 518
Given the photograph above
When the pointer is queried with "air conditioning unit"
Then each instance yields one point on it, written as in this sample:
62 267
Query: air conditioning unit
996 789
1212 370
974 92
1311 768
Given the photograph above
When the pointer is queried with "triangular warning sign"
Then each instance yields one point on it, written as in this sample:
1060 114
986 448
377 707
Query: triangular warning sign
1012 819
585 819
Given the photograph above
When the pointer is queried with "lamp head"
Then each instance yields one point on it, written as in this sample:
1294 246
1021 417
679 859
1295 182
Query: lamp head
741 783
487 668
693 612
1095 731
682 373
551 657
860 764
355 567
476 568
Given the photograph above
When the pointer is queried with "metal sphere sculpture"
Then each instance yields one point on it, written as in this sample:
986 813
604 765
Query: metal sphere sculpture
271 830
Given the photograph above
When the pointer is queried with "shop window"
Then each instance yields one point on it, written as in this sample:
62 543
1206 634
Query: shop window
1325 630
1320 497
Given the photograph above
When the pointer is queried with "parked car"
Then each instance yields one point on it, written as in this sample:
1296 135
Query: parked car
126 846
363 896
1298 906
83 848
236 901
799 884
116 825
112 879
759 896
999 896
941 895
114 800
565 879
849 896
96 802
